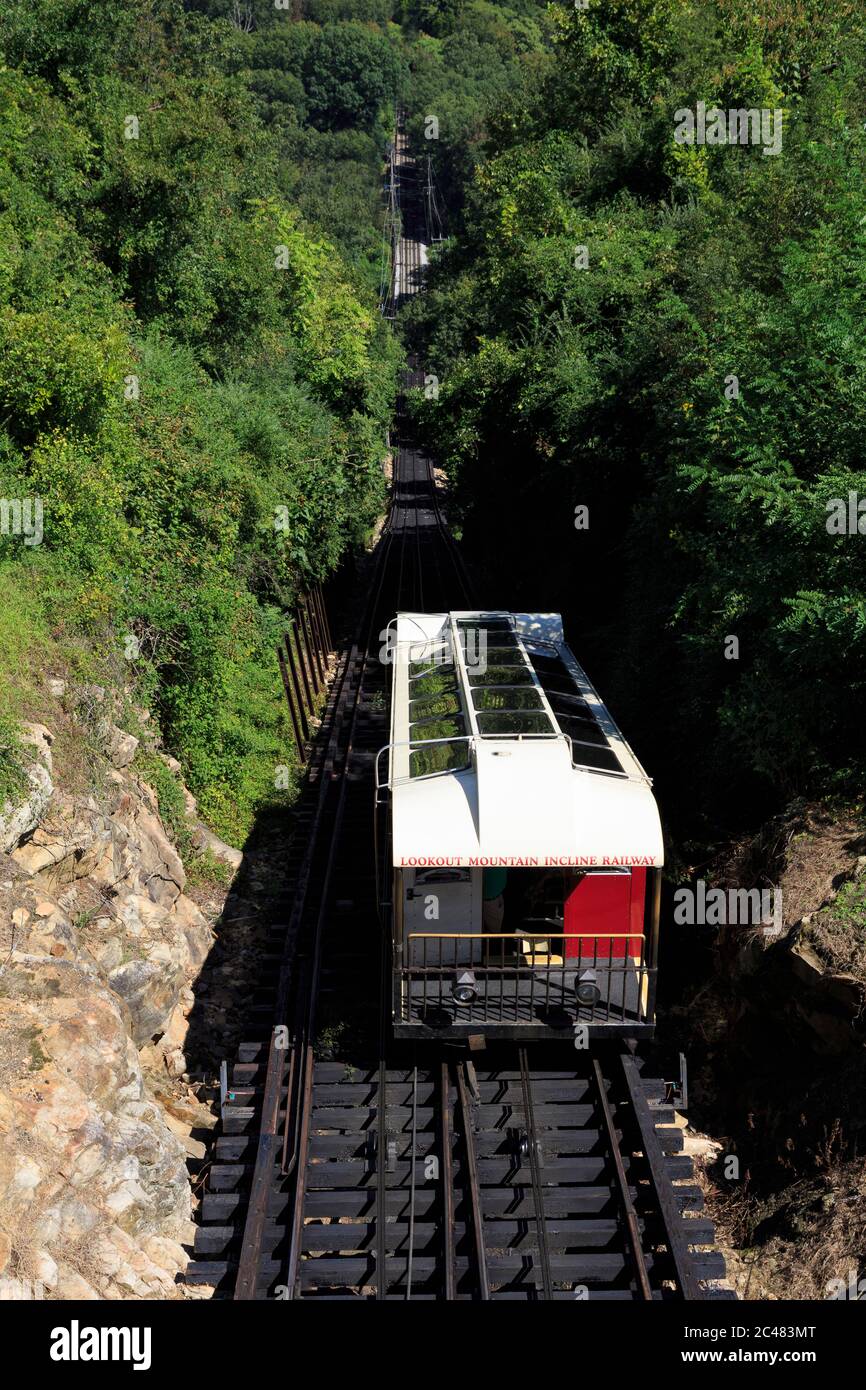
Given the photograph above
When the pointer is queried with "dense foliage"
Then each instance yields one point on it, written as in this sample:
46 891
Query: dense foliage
608 285
194 379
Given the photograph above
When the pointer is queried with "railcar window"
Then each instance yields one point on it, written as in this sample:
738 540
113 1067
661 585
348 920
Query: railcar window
426 668
505 640
506 697
585 755
434 706
580 730
590 746
549 665
423 876
441 682
488 624
423 655
481 637
496 656
501 675
515 722
437 728
560 685
573 708
571 703
437 757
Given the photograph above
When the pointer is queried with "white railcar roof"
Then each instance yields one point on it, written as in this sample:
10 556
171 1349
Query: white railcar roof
502 751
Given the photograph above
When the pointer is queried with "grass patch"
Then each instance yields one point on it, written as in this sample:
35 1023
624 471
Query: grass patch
23 643
170 801
839 931
13 774
206 871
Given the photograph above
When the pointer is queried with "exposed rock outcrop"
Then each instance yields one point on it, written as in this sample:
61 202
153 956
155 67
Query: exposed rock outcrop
775 1040
814 975
99 947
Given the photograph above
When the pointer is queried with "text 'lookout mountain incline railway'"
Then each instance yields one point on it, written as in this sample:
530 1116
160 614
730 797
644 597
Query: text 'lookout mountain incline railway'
350 1164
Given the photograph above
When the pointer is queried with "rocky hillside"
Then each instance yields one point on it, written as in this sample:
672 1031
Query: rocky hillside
99 948
775 1030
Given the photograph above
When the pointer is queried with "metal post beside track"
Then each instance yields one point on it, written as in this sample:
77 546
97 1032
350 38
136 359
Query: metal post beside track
297 684
296 726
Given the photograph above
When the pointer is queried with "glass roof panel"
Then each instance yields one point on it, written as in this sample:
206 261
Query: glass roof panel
501 675
439 682
581 730
426 668
506 697
544 662
499 656
562 685
490 624
584 756
437 728
517 722
438 757
569 704
434 706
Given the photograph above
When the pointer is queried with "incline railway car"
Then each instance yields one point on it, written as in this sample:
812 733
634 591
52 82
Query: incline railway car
519 842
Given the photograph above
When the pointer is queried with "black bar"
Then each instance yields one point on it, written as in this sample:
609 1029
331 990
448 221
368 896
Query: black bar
323 615
622 1184
317 641
310 648
299 742
297 684
447 1188
474 1187
302 664
537 1191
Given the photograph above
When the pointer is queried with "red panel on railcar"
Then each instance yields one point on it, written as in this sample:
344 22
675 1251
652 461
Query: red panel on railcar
602 906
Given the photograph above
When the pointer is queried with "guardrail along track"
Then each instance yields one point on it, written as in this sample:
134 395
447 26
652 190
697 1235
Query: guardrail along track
351 1166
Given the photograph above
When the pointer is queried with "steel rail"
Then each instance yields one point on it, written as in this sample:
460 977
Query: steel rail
474 1185
447 1178
410 1257
266 1150
361 659
419 565
687 1283
382 1133
535 1172
303 1128
631 1221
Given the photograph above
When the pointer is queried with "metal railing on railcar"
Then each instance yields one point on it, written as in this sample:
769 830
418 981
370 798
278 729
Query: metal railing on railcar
524 983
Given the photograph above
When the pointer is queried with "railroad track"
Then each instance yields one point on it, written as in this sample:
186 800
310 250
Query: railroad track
348 1165
488 1182
497 1182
